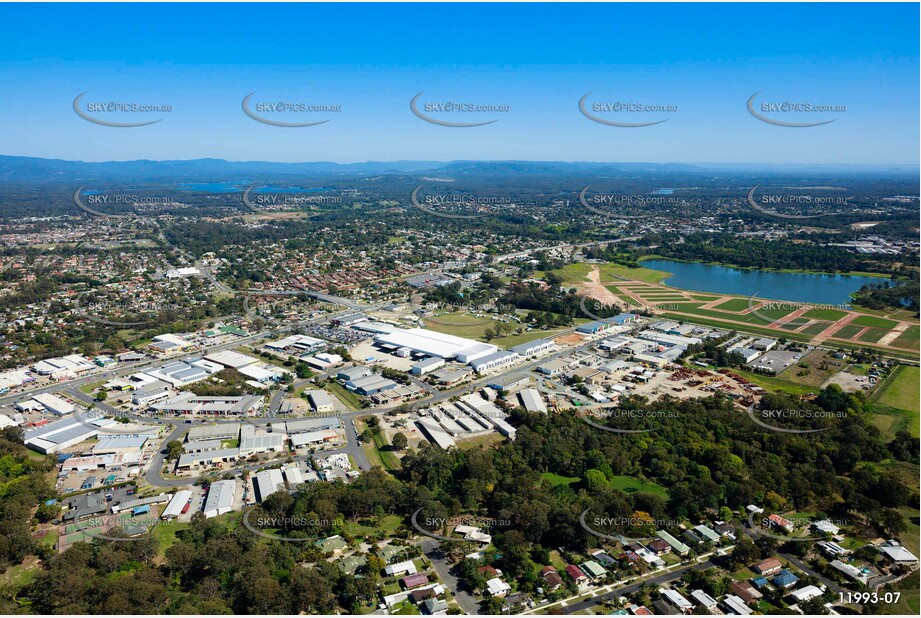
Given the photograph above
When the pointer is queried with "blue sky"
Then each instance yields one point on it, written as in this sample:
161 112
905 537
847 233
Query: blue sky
538 59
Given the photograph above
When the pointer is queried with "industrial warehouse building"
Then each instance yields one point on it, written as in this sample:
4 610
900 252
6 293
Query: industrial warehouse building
229 358
207 458
224 431
320 401
267 483
428 365
494 361
149 393
313 438
303 425
54 404
58 435
370 384
190 403
431 343
534 348
220 498
175 506
531 400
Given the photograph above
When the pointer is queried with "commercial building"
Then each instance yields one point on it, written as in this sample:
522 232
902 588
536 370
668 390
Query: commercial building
304 425
353 373
299 343
73 363
229 358
58 435
54 404
207 458
435 434
220 498
320 401
370 384
431 343
509 382
267 483
534 348
224 431
260 374
150 393
428 365
313 438
668 340
494 361
189 403
179 273
112 444
348 320
292 475
531 400
179 373
175 506
252 443
554 367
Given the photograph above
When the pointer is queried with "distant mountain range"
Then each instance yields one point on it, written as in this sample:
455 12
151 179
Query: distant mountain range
34 169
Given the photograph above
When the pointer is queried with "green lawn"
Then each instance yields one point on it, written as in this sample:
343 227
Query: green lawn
873 335
577 273
908 339
736 304
775 384
896 404
631 485
832 315
874 322
815 328
556 479
901 389
388 524
165 533
847 331
346 396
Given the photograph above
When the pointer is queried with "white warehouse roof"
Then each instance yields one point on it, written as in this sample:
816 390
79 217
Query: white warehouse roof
431 343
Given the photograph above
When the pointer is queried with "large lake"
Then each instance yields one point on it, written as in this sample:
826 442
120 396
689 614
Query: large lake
797 287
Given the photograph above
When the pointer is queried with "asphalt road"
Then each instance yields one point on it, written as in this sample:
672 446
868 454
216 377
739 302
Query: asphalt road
432 551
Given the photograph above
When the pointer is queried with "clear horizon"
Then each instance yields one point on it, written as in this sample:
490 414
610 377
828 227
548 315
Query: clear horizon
705 61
